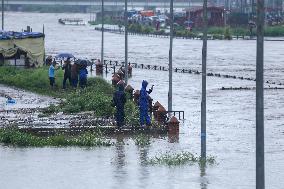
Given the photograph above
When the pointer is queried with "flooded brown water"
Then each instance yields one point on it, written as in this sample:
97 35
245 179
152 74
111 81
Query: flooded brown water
231 117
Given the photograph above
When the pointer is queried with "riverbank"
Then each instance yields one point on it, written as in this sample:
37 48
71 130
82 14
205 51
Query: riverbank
221 33
96 97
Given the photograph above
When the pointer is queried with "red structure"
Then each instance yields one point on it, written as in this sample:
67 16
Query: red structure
215 16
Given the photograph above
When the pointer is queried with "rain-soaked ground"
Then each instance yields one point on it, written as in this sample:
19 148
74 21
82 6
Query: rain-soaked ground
230 121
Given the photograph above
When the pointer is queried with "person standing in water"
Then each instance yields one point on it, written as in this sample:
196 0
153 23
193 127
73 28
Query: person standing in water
143 104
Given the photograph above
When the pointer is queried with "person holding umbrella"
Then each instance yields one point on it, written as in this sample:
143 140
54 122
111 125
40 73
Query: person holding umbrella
67 72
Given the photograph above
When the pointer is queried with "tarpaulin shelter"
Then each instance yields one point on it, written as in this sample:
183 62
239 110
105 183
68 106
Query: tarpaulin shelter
31 44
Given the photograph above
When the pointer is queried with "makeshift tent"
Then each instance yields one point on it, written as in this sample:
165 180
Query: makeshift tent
32 43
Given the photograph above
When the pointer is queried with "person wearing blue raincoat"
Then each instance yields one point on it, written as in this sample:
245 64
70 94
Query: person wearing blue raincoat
119 100
83 72
143 104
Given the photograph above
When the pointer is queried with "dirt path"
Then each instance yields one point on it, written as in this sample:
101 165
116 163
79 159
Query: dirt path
26 109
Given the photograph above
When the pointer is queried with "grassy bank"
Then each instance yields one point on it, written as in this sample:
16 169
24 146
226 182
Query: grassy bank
12 136
96 97
269 31
216 32
107 20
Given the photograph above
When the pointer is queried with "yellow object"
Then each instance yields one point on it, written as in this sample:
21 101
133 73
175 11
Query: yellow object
34 47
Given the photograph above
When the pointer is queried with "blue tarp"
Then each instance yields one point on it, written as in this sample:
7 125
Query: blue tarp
5 35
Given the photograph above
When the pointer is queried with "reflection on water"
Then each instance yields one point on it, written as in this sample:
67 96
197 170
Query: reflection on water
173 138
120 151
120 172
203 178
143 169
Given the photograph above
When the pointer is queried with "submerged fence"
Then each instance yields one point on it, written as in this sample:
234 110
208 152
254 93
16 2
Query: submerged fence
114 65
167 35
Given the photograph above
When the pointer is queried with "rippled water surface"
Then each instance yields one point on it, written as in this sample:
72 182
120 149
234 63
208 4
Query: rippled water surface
230 124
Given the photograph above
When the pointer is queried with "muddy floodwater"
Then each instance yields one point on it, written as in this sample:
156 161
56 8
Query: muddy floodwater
230 120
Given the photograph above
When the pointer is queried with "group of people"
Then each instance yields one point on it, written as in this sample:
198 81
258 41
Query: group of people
77 73
74 73
119 100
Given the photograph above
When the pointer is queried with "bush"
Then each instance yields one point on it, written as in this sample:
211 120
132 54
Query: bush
142 140
131 113
89 99
178 159
12 136
217 36
227 34
147 29
274 31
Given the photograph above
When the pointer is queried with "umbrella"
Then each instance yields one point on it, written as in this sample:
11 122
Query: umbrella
83 62
64 55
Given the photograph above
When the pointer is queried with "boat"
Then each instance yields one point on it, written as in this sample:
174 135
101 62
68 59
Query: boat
72 21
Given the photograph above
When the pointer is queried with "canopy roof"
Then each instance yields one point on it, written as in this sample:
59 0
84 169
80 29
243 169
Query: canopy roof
6 35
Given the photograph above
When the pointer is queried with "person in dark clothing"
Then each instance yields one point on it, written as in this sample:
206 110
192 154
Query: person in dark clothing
143 104
83 76
67 72
48 61
119 99
74 75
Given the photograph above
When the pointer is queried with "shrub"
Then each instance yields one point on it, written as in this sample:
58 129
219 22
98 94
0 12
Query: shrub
179 159
12 136
131 113
227 34
142 140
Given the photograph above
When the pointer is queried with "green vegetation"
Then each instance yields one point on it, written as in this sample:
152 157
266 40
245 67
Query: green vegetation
270 31
185 33
35 80
131 113
96 97
227 34
138 28
228 31
274 31
142 140
12 136
217 32
178 159
107 20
